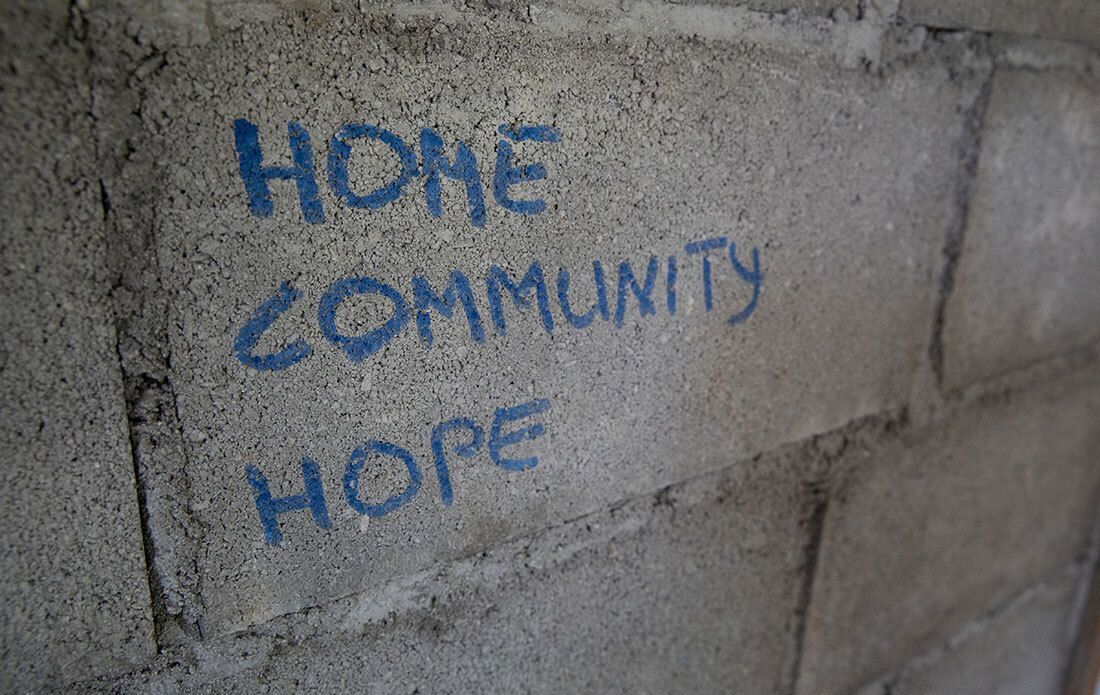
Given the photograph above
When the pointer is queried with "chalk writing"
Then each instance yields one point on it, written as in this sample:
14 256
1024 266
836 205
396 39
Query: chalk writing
463 168
632 287
504 432
630 290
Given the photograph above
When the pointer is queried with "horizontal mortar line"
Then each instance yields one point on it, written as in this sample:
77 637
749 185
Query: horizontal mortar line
1073 569
698 19
869 424
1086 46
820 26
1078 360
660 19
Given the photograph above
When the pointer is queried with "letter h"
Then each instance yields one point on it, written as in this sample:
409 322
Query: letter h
256 175
270 507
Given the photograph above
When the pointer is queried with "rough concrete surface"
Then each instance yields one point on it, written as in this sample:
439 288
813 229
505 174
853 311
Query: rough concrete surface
866 165
1020 652
811 7
934 531
1026 285
1073 20
689 590
757 448
74 591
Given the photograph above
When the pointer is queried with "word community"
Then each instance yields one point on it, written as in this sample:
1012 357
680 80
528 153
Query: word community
632 287
652 288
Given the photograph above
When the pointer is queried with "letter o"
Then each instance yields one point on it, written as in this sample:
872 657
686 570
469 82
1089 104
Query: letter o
340 153
358 459
359 347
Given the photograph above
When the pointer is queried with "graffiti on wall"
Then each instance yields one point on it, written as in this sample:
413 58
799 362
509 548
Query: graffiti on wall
626 290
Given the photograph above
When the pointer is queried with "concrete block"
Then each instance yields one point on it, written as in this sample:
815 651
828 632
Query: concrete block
943 526
692 590
836 180
1071 20
74 590
1025 285
1022 651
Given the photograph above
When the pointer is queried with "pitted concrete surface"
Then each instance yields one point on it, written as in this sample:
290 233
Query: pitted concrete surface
655 152
74 590
782 406
686 590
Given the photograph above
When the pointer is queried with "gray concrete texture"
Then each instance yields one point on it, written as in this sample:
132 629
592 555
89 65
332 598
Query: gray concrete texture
1027 274
74 590
809 7
661 543
848 253
936 530
689 590
1070 20
1021 651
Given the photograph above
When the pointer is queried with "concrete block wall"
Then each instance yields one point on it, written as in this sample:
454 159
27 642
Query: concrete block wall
801 393
75 589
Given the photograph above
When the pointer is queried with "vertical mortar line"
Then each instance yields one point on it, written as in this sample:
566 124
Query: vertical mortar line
969 151
185 453
156 593
78 27
164 411
140 386
811 552
1082 675
827 477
